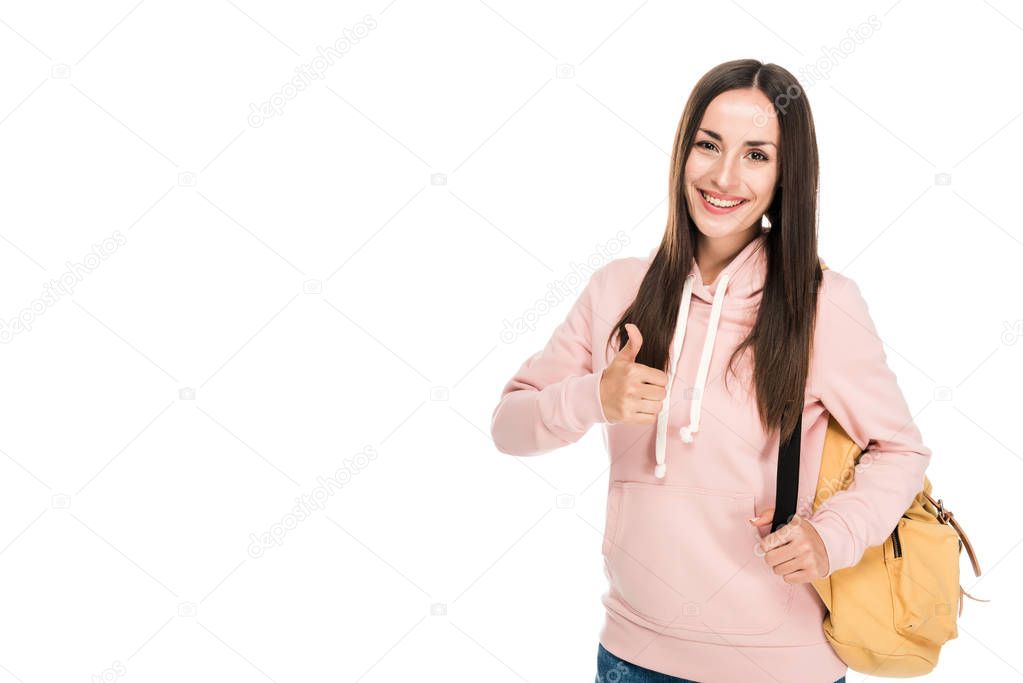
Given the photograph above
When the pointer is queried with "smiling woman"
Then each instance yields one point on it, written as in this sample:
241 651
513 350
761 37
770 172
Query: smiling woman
698 590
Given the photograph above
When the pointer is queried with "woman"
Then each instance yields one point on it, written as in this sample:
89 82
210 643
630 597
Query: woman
699 589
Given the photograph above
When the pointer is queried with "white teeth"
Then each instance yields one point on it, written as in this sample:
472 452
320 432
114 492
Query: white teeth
720 202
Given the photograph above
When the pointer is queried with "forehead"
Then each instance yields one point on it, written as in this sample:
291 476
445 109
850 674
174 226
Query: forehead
739 115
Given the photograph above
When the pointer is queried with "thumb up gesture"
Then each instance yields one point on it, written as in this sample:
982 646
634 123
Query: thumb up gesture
632 393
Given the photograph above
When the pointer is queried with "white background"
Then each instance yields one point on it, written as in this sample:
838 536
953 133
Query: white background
332 285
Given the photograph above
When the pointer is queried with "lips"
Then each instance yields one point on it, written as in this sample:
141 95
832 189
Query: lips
717 203
722 198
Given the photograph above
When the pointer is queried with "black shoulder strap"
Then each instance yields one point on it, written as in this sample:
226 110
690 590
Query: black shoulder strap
787 483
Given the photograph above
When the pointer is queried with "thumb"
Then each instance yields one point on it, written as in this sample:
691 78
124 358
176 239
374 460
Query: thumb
631 348
765 517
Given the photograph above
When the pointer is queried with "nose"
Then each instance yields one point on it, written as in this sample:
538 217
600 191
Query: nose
726 173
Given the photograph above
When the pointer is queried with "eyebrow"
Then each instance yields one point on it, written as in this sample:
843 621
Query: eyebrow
749 143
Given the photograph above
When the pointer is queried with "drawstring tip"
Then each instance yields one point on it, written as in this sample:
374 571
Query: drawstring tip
659 470
686 434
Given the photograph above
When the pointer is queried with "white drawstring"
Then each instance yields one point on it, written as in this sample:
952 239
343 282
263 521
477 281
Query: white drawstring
662 417
686 433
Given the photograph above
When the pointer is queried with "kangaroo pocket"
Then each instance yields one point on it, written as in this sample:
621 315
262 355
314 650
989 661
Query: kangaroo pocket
685 557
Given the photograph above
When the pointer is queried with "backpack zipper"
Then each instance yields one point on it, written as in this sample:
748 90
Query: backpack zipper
896 543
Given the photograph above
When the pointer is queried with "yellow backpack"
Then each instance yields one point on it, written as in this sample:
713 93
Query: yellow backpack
889 614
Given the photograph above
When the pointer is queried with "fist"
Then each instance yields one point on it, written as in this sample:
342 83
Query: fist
632 393
795 551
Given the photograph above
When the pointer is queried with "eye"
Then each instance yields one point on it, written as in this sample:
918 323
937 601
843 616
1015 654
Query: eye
757 151
710 145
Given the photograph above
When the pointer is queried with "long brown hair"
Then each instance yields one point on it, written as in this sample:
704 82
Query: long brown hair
781 337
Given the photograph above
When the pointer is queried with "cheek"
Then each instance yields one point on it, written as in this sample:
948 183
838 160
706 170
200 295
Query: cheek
694 169
764 185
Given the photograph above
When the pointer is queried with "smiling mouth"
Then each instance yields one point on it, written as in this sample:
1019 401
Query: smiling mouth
721 203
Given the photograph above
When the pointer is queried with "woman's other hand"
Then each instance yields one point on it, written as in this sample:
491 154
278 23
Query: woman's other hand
795 551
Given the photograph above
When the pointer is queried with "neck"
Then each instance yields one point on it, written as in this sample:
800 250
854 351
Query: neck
714 253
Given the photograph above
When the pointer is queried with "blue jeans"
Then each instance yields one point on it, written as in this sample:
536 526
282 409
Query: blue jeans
611 669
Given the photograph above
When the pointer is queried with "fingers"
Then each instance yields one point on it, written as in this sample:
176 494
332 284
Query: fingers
649 407
652 376
643 419
779 538
651 392
801 576
795 571
785 558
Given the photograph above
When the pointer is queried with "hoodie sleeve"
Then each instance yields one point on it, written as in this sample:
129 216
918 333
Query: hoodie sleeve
858 388
554 397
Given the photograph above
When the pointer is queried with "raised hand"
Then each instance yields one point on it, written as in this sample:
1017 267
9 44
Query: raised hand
632 393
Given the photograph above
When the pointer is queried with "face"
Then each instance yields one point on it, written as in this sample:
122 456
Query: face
732 169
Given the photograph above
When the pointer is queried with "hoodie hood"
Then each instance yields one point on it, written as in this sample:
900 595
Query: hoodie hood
738 285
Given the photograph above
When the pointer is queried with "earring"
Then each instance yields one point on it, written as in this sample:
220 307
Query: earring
765 223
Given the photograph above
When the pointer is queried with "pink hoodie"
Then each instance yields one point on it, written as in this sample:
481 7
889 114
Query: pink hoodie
688 593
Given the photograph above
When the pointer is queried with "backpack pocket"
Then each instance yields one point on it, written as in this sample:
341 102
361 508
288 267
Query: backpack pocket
922 560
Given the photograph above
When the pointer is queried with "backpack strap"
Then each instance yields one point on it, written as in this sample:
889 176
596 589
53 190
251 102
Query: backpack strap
787 481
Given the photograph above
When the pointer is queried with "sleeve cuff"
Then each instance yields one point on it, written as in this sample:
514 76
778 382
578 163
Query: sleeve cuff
838 540
572 406
583 397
